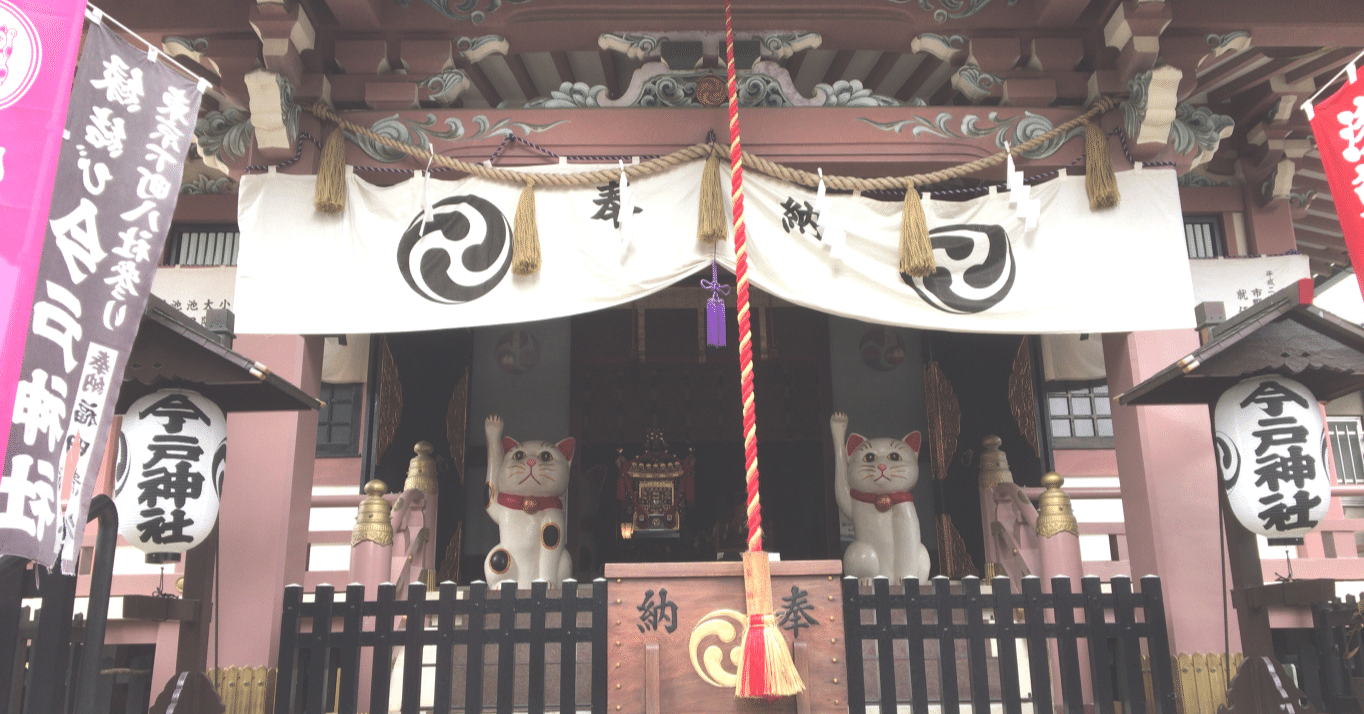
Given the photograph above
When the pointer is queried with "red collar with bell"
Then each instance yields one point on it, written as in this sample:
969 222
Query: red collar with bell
530 504
883 501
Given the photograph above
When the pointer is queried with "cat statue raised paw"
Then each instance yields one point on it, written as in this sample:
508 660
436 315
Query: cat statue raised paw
527 483
873 482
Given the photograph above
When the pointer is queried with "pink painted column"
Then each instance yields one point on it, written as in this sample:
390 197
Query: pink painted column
167 646
1170 492
267 495
370 558
1058 537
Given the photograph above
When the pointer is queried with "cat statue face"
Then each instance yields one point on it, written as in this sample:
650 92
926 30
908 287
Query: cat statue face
883 465
534 467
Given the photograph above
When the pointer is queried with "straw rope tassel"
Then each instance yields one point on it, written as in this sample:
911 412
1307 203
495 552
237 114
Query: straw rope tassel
525 234
766 670
916 248
1100 182
712 225
330 192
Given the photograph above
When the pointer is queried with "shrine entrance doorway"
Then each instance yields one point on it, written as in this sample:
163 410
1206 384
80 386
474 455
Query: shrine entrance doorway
977 385
646 367
420 392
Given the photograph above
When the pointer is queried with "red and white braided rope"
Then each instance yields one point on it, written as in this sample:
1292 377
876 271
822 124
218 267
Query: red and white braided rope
736 181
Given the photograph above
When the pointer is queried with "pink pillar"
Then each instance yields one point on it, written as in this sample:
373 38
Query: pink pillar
1058 537
167 645
267 495
1170 492
370 556
368 566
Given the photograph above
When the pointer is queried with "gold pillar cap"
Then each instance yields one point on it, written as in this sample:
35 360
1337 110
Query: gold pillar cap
373 521
1054 514
994 464
421 471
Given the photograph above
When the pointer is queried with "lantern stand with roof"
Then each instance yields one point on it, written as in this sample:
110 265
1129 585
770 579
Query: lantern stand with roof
1283 335
173 351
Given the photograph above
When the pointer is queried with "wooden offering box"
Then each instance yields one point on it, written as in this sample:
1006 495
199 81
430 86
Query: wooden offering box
674 632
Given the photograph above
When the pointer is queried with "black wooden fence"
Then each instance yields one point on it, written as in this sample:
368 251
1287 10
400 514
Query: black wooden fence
1112 624
1338 643
319 667
50 660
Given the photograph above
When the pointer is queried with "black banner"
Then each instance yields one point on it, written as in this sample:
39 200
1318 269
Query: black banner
128 129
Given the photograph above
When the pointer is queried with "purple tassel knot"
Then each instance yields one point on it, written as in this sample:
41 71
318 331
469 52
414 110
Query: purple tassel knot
715 308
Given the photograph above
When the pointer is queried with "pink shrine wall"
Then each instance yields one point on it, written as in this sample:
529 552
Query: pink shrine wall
264 510
1169 492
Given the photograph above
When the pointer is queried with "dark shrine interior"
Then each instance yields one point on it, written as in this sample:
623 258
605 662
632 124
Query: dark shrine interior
631 373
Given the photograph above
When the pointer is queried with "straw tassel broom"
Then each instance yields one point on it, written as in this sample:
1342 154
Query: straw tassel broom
916 248
1100 182
330 193
766 670
712 225
525 234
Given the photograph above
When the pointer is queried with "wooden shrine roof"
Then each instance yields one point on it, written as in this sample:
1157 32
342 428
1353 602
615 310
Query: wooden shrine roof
172 350
1282 334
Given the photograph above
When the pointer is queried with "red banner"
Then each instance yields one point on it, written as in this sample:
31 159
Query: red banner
1338 123
39 40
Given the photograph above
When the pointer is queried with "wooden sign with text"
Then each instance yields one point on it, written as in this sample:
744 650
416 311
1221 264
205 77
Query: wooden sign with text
674 632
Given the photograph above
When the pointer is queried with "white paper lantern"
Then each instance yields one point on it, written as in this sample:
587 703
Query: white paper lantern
1271 453
170 466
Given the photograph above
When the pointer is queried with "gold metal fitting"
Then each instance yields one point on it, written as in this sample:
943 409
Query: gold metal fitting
994 464
421 471
1054 514
373 521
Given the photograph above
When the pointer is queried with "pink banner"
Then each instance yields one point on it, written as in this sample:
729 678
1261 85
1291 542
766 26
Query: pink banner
39 41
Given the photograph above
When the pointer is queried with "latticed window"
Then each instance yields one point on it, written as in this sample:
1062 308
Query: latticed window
1079 415
201 245
338 423
1347 447
1204 236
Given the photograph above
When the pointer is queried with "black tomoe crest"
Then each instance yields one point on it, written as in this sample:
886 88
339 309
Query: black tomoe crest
976 268
121 464
460 255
